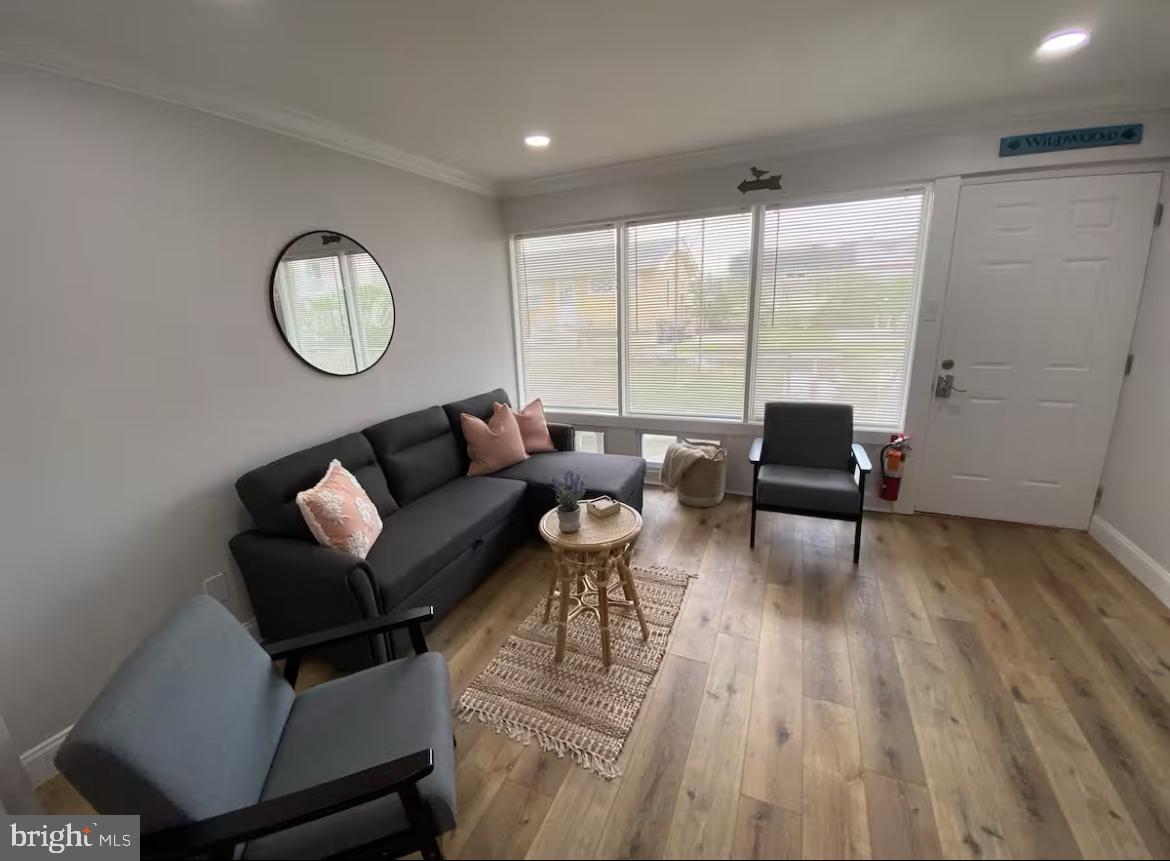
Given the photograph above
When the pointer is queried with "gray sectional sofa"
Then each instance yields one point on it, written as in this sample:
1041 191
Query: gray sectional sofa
443 531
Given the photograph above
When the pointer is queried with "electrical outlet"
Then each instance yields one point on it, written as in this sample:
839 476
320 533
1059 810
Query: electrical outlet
218 588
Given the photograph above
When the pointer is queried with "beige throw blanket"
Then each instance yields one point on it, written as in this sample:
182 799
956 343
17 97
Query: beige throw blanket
681 456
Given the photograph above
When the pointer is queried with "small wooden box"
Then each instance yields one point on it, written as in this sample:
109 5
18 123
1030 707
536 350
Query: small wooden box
603 506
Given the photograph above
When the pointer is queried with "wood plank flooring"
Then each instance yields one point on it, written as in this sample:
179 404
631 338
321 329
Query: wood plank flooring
970 690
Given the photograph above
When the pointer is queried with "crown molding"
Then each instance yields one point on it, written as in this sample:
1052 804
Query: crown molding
1150 99
294 124
1146 97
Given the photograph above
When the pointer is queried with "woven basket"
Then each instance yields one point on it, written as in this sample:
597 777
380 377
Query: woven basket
703 485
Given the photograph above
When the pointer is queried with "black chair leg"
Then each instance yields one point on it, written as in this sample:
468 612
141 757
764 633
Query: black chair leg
422 823
752 542
857 541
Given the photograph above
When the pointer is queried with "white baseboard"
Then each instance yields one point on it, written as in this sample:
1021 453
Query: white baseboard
1135 560
38 759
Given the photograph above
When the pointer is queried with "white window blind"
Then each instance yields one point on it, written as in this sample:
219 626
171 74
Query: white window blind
835 305
687 293
375 315
566 300
315 314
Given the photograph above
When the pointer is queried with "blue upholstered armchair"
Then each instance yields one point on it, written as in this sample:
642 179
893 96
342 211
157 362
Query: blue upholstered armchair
807 463
201 735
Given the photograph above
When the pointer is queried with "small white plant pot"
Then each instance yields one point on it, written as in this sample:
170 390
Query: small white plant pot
570 520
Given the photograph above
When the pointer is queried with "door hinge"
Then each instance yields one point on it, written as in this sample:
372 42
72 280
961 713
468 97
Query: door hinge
1158 215
1128 364
1097 496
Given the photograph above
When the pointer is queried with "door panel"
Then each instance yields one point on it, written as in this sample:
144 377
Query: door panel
1043 292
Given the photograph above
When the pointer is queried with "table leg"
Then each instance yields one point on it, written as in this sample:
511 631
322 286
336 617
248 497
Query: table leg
552 585
623 557
603 610
627 579
565 579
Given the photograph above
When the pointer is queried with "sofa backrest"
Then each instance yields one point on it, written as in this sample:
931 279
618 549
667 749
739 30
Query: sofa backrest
269 492
187 727
479 406
417 451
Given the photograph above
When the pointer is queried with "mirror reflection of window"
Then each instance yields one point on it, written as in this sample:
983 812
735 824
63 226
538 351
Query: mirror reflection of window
333 304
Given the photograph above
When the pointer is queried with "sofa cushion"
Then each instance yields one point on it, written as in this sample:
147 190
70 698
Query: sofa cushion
434 529
269 492
480 406
339 512
495 444
353 723
616 475
534 428
828 490
417 451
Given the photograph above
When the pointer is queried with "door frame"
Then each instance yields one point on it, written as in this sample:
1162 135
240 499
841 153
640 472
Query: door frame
918 412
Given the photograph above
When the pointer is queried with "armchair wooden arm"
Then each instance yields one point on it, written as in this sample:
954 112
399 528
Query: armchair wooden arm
218 835
294 648
861 458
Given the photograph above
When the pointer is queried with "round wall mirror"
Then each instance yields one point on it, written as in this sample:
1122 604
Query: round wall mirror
332 303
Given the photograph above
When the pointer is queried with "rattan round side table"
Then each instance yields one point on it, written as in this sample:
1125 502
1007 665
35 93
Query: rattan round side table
584 560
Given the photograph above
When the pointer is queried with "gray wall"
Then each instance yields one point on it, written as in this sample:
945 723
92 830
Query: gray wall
140 370
1135 504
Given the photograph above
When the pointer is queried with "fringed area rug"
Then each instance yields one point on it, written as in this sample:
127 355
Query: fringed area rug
578 708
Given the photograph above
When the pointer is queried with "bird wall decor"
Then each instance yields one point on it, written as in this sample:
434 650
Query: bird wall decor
760 182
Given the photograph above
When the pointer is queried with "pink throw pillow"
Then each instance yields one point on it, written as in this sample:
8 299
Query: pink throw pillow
492 445
339 512
533 427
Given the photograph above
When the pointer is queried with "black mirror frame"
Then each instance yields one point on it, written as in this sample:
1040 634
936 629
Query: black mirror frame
276 318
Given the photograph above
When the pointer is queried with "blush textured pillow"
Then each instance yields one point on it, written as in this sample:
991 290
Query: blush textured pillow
492 445
533 427
339 513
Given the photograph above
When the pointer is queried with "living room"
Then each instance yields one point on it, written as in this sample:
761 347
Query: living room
913 249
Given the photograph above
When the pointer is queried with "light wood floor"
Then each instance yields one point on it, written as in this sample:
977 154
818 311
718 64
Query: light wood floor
971 690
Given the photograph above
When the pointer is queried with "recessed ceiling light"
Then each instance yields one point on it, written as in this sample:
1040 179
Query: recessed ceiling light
538 141
1062 43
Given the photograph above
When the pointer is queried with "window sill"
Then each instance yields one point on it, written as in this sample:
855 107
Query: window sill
720 428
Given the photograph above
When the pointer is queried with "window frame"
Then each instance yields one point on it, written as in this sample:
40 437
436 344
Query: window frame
758 212
514 299
600 431
643 433
915 300
753 210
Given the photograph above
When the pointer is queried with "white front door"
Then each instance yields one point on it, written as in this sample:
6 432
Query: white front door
1043 292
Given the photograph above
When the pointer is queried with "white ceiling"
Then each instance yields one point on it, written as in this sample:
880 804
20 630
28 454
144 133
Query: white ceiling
451 88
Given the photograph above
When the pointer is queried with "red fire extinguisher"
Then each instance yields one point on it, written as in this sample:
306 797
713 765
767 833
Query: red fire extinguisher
891 460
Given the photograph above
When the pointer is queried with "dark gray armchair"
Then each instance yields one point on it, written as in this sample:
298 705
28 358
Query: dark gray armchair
203 736
807 463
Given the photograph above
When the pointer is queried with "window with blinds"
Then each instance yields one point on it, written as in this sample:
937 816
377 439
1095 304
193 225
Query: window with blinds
316 317
686 296
835 305
566 308
334 310
375 316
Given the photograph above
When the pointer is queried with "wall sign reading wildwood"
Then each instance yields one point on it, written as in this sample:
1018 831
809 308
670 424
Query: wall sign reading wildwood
1097 136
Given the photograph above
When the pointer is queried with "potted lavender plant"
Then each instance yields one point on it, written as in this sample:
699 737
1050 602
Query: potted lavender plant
568 491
